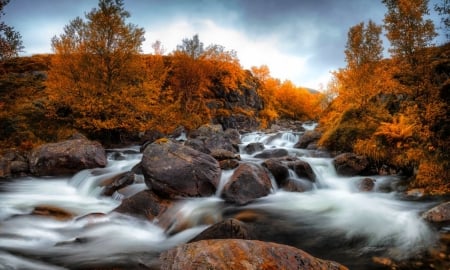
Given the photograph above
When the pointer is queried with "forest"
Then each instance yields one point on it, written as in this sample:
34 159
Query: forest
98 82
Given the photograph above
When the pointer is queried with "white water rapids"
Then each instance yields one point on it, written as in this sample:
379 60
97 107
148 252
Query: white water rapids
333 217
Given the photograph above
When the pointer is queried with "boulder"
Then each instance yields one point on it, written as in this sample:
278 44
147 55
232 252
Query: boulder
117 182
222 154
145 204
366 184
439 213
174 170
66 157
252 148
309 137
302 169
248 182
278 170
296 185
208 138
227 229
229 164
350 164
241 254
272 153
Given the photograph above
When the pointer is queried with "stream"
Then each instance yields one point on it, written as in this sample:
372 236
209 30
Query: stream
334 220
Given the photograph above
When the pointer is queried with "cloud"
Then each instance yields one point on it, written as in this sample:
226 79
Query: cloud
264 50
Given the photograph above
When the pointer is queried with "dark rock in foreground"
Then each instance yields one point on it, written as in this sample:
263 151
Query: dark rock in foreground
241 254
66 157
174 170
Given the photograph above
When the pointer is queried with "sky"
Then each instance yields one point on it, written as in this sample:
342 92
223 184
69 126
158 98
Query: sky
299 40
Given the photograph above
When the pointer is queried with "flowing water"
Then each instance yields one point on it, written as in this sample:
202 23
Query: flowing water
333 220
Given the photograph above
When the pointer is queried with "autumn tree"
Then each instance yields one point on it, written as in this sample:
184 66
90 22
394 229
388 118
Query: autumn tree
407 29
443 9
96 79
10 40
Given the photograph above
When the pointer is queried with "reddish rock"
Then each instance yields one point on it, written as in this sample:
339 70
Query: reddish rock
241 254
145 204
66 157
52 211
439 213
247 183
229 164
175 170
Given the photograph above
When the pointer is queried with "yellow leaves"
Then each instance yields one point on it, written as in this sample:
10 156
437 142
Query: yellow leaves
397 132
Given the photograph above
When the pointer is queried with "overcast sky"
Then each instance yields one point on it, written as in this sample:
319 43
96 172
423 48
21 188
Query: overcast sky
300 40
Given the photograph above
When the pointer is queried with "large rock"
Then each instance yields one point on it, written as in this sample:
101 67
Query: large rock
175 170
278 170
302 169
273 153
241 254
350 164
66 157
308 138
209 138
145 204
248 182
227 229
252 148
439 213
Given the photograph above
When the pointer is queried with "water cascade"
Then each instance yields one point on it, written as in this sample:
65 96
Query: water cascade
333 220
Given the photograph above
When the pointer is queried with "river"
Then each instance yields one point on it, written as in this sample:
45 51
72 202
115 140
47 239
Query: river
334 220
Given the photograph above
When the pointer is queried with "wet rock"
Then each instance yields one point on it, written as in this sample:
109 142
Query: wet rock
349 164
222 154
309 137
296 185
366 184
241 254
208 138
5 168
248 182
252 148
174 170
145 204
272 153
66 157
52 211
278 170
439 213
227 229
302 169
19 167
117 182
229 164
